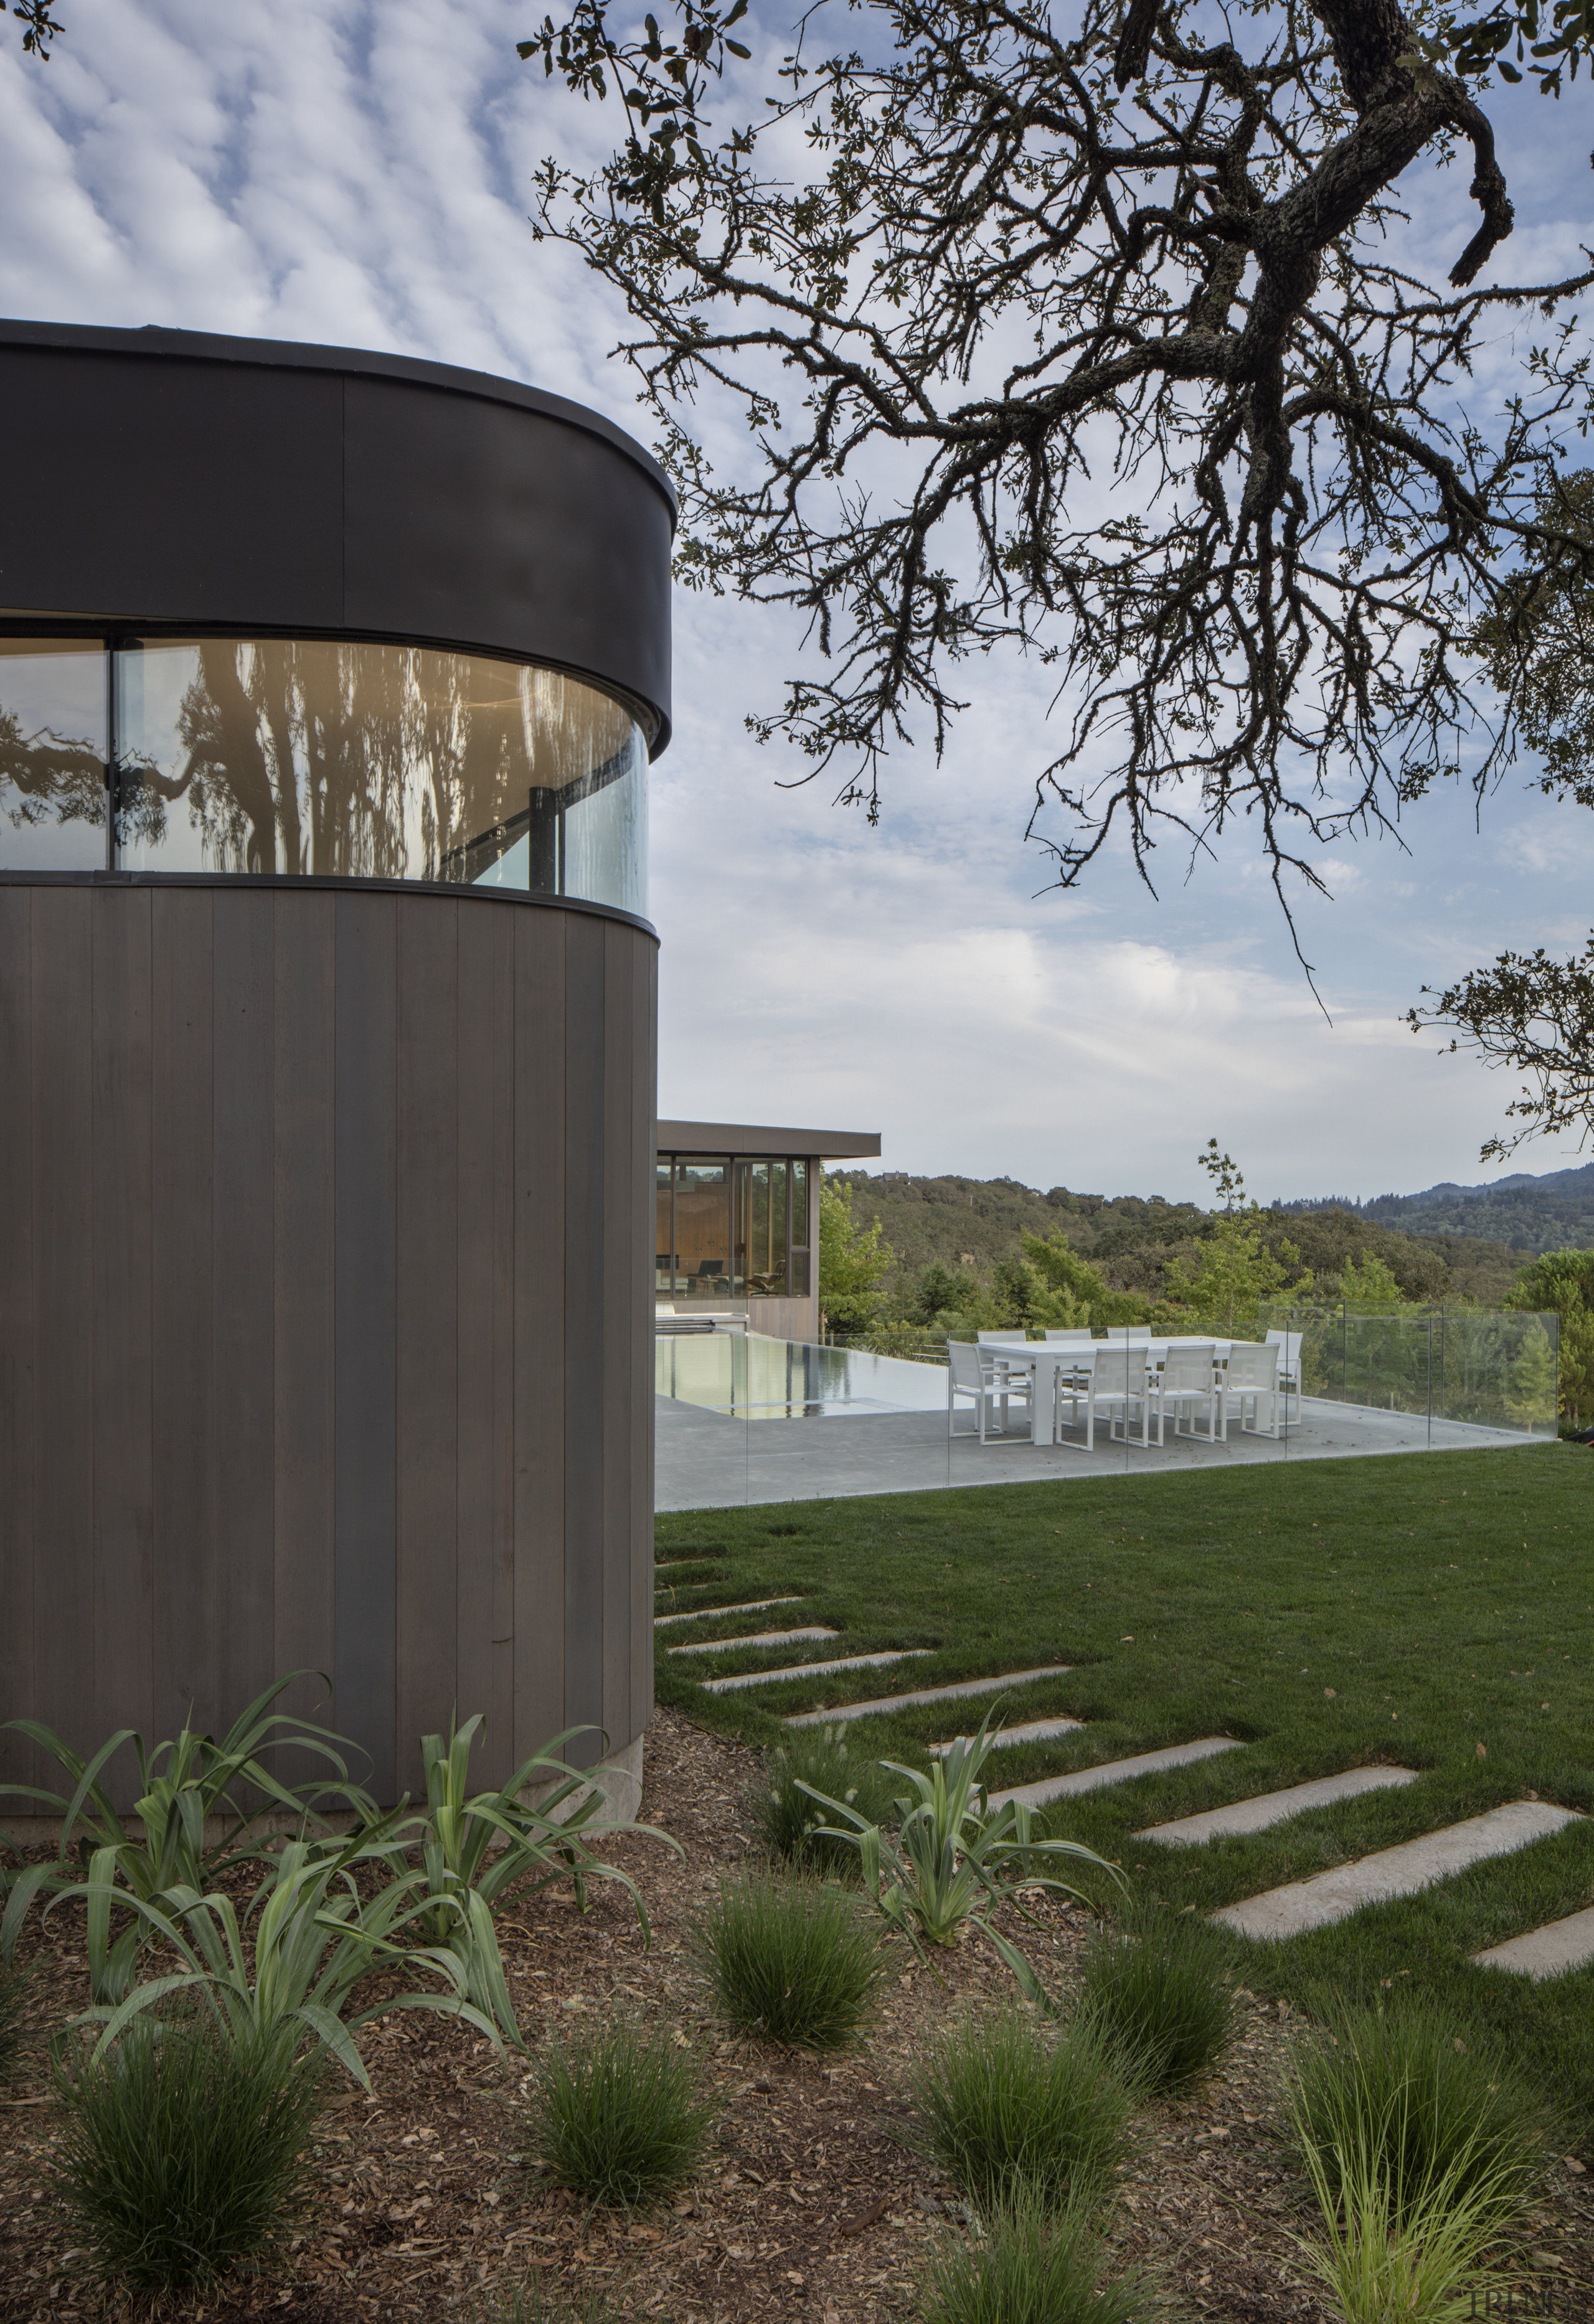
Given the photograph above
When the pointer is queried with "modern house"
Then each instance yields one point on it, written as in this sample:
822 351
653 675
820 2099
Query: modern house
737 1215
328 686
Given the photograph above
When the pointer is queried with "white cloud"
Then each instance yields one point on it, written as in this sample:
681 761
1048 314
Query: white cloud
335 170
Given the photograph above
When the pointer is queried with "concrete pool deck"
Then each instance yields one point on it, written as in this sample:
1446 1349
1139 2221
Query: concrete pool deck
708 1460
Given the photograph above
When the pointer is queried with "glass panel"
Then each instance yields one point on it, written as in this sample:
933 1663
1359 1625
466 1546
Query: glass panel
52 755
703 1231
766 1263
663 1243
377 761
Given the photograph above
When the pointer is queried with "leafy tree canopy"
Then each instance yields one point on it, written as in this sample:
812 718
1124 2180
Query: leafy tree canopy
852 1259
1087 333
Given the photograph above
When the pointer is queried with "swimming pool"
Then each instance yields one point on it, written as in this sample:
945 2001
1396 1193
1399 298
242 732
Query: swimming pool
753 1378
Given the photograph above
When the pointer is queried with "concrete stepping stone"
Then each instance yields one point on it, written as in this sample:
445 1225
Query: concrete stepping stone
1115 1771
810 1670
955 1694
1400 1871
1276 1807
764 1639
1034 1730
702 1613
1548 1951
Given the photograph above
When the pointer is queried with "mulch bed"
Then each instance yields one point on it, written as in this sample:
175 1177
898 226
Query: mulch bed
815 2204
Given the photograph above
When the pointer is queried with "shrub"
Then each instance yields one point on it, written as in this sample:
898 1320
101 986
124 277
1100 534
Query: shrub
474 1847
1034 2265
619 2117
185 2150
1011 2107
1154 1984
1398 2242
955 1855
789 1960
1405 2097
787 1818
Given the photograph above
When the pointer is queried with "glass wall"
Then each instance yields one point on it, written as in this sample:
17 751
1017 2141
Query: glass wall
731 1227
304 757
1448 1370
52 755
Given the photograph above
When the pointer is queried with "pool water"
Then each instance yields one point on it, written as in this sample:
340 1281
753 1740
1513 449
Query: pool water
753 1378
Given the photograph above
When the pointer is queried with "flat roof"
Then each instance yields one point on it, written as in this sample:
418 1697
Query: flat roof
753 1138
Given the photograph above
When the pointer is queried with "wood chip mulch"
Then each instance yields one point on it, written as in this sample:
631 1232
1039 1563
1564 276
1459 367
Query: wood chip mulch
815 2204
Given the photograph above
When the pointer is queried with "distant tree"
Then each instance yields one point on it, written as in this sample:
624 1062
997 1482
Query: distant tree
853 1261
1235 1272
1074 1280
1367 1282
1561 1283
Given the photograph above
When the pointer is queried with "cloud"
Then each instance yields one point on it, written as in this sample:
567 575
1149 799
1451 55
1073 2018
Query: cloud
340 171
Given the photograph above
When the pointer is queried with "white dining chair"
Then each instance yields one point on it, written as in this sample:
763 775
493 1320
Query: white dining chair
1120 1381
1288 1344
1188 1380
971 1373
1251 1379
1061 1337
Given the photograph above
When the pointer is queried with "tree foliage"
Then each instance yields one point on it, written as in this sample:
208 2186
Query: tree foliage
1092 339
853 1261
1562 1282
39 27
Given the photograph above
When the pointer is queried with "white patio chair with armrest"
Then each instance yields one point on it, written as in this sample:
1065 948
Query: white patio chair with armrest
1120 1380
969 1373
989 1340
1288 1344
1189 1378
1251 1378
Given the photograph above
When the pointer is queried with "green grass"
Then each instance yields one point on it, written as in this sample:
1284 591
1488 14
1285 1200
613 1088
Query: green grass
1013 2108
1446 1599
790 1960
1154 1981
1034 2265
1429 2105
185 2154
837 1764
619 2117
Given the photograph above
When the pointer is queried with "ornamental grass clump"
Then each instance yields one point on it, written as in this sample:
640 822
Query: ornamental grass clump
13 2017
788 1817
1013 2108
1402 2239
1154 1983
790 1960
620 2116
1033 2265
185 2150
1407 2101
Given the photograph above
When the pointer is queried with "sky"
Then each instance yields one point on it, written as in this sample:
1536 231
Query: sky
358 172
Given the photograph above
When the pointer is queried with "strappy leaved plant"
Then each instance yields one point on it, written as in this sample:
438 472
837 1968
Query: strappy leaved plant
475 1848
183 1784
294 1956
955 1857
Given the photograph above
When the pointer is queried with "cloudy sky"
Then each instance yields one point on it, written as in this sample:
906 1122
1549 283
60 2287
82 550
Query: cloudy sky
358 173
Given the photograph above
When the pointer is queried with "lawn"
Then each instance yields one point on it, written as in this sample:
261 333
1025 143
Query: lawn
1434 1611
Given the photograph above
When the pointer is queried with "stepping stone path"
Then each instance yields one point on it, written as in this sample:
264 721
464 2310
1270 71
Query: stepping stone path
1276 1807
1548 1951
810 1670
1115 1771
1400 1871
1035 1731
955 1693
702 1613
764 1639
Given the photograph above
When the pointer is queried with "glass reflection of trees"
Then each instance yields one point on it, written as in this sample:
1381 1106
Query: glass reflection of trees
52 763
358 760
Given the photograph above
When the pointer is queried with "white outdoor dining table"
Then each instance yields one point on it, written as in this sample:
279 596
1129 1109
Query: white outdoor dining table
1046 1359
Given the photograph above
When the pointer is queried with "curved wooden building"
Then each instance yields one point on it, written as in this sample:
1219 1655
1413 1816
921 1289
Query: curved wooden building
328 688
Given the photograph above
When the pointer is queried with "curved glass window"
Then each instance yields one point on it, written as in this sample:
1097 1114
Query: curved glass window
307 756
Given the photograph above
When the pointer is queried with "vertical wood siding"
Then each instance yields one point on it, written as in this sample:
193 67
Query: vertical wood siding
325 1313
